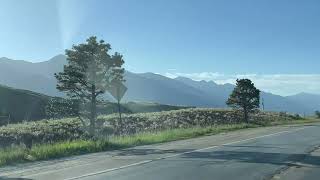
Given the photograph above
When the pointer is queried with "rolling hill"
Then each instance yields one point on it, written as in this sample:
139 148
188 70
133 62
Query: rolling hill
146 87
18 105
21 105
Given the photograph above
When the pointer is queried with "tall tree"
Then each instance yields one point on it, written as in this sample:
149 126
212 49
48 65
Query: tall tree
89 73
245 97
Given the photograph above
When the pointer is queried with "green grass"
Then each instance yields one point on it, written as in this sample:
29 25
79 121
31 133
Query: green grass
77 147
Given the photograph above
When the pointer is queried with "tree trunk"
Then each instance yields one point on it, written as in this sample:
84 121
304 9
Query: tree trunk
246 116
120 120
93 111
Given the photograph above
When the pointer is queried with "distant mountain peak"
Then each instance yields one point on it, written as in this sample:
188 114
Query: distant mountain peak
59 56
4 58
183 78
55 62
186 79
304 94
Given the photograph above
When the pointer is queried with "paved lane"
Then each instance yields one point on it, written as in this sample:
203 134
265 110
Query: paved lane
254 159
246 154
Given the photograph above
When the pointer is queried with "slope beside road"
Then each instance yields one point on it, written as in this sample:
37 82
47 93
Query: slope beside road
259 153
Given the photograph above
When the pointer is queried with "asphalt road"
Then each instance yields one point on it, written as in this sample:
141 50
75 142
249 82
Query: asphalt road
261 153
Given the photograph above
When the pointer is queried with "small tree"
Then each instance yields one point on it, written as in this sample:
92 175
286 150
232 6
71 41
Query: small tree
245 96
89 73
317 113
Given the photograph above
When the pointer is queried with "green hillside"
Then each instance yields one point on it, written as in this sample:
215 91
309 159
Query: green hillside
21 105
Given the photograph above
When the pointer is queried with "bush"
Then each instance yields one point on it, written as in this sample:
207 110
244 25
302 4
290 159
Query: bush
58 108
41 132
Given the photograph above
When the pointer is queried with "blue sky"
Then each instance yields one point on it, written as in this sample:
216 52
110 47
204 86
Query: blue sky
172 37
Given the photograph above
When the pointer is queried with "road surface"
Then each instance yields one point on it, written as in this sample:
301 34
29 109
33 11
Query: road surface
260 153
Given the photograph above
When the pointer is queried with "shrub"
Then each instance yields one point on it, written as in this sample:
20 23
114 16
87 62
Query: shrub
61 108
41 132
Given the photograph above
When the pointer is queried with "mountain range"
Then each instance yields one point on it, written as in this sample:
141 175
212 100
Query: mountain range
149 87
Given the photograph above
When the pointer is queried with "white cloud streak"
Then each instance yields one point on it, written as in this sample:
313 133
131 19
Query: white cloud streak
71 14
281 84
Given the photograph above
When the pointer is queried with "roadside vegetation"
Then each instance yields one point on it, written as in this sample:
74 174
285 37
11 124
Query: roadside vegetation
49 139
20 154
70 129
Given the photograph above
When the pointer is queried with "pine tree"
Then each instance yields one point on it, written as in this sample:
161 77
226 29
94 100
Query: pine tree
245 96
89 73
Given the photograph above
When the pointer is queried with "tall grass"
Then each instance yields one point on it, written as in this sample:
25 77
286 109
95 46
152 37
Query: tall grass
77 147
68 148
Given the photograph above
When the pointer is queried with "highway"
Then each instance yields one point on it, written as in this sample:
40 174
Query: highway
281 152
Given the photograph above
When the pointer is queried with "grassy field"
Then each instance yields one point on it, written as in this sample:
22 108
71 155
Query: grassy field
68 148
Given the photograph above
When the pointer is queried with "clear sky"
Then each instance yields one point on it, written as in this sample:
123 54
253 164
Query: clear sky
175 37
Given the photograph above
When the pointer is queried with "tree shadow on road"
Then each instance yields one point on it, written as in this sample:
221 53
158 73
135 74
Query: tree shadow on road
229 155
149 151
256 157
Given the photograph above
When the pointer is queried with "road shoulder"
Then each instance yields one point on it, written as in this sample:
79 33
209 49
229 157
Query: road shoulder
309 168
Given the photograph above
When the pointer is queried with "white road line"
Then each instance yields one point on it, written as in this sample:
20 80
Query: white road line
175 155
112 169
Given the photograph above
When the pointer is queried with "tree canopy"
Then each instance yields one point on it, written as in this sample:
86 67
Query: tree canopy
89 73
245 96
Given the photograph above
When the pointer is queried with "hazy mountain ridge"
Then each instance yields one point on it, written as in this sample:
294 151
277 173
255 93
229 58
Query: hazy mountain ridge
149 87
310 101
36 77
161 89
272 102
